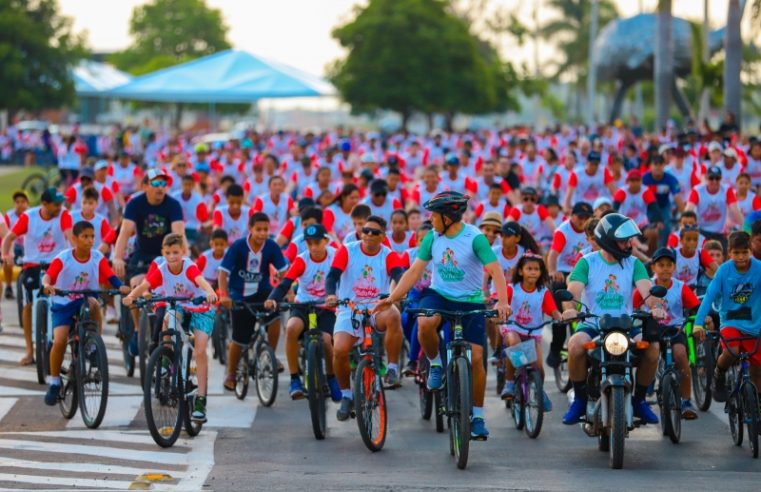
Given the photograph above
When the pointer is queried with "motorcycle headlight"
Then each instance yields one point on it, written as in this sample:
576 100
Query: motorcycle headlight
616 343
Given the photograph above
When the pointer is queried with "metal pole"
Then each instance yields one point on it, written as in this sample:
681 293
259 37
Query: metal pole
639 105
592 70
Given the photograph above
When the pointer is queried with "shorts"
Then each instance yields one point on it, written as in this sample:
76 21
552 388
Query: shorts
30 279
18 252
345 324
63 314
197 320
473 326
505 329
138 264
326 319
741 345
244 321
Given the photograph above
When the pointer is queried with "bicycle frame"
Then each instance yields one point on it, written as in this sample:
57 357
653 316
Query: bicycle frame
743 375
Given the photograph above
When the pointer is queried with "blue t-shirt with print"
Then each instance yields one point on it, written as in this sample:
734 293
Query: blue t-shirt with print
248 271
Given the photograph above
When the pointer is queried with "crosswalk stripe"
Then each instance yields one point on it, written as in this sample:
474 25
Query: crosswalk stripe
100 451
120 412
6 404
84 467
65 482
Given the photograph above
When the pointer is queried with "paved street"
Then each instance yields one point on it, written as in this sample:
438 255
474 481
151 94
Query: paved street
248 448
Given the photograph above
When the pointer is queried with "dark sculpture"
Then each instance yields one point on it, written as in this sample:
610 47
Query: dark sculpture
625 52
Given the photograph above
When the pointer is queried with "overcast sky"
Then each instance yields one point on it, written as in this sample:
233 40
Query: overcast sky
297 32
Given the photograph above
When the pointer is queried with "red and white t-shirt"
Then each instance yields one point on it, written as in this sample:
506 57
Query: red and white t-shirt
750 203
634 205
678 298
311 275
43 239
66 272
568 243
340 221
208 265
408 242
104 233
194 209
712 207
181 284
590 188
364 276
688 268
236 227
533 221
74 197
502 208
278 212
529 307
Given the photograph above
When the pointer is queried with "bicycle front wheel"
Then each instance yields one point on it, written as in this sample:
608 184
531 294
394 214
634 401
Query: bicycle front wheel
34 186
92 380
534 413
671 408
219 337
126 332
519 403
193 428
41 347
751 413
316 394
424 394
266 374
370 406
460 408
144 336
162 397
702 372
562 381
68 398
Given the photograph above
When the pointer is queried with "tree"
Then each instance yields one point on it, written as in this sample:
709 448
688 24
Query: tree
416 56
37 51
168 32
664 63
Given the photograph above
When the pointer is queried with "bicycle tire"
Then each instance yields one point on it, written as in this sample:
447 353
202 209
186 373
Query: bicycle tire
369 397
68 398
562 379
20 299
733 408
500 377
219 338
702 372
603 441
315 383
517 405
92 356
41 345
671 408
462 413
158 385
425 396
188 402
242 373
34 185
617 435
441 410
144 336
126 332
266 374
535 400
751 413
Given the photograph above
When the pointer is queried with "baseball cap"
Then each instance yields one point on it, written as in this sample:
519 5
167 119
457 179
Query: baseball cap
529 191
633 174
593 156
550 200
511 228
367 174
664 253
203 167
155 173
603 200
51 195
714 171
101 164
582 209
714 146
452 159
392 160
665 148
730 153
378 186
315 231
491 218
305 203
87 172
368 157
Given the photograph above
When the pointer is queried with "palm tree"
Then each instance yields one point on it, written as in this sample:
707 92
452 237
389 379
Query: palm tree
733 60
569 31
664 64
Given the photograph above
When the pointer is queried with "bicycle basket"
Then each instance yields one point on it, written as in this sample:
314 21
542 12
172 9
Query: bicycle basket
522 354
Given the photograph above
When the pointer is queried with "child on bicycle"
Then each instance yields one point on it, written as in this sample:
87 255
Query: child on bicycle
77 268
530 300
310 268
210 260
737 285
689 260
179 276
679 297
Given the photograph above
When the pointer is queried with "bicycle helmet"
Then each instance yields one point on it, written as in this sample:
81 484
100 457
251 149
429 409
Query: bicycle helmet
449 204
613 228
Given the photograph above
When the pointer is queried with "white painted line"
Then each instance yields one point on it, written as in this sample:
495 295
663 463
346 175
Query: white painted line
717 409
85 467
18 342
100 451
134 437
8 391
231 412
66 482
6 404
120 412
200 462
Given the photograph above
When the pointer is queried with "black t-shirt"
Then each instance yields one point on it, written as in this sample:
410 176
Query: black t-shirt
153 221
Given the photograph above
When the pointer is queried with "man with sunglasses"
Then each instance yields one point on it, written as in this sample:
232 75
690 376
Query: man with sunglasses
150 216
379 202
713 201
535 218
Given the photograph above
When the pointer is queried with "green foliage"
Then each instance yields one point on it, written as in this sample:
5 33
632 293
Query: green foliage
416 56
37 51
169 32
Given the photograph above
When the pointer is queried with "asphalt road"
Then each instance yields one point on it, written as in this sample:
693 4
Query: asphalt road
247 447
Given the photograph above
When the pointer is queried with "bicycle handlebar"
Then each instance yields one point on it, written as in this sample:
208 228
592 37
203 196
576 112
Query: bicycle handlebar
169 299
87 292
739 354
284 306
530 328
428 312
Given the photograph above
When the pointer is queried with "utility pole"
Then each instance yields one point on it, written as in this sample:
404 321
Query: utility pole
639 105
592 70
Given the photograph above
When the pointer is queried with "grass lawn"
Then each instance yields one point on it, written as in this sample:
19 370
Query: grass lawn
11 178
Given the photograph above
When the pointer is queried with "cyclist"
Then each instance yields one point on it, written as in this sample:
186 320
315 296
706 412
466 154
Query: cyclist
311 268
179 276
209 261
605 281
46 230
20 205
363 270
462 253
737 285
78 268
103 231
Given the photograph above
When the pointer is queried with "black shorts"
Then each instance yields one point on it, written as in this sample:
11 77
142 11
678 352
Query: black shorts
244 321
30 279
326 319
138 264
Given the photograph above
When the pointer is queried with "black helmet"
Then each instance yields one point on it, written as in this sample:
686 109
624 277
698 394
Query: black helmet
612 228
449 204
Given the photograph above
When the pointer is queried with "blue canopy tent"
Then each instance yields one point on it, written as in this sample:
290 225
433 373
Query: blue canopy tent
91 81
226 77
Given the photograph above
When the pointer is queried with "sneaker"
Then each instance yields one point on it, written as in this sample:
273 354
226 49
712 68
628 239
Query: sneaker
111 315
478 430
508 391
494 358
410 370
719 387
644 412
51 397
132 348
335 390
391 380
347 408
199 410
575 412
296 389
688 411
553 359
9 293
547 403
435 378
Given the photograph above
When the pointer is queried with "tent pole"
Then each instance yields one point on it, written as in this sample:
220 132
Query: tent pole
212 117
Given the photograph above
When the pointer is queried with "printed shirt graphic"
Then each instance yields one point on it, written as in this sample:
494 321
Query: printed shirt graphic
678 298
43 239
529 307
236 228
311 275
364 276
182 284
739 295
68 273
609 286
568 243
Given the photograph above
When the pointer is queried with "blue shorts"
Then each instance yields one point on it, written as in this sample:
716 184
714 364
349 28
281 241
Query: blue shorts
473 327
63 314
194 320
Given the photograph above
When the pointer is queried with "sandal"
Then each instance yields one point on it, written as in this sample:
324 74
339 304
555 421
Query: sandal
229 383
28 360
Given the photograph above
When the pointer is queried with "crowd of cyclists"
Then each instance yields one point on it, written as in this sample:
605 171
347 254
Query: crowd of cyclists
457 221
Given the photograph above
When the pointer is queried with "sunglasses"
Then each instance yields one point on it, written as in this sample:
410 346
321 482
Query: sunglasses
529 199
158 183
372 231
380 193
714 178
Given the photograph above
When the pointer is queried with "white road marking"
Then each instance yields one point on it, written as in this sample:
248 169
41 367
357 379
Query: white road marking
84 467
65 482
6 404
100 451
121 410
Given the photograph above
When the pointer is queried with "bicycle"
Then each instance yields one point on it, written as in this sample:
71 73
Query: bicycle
84 381
742 402
702 357
124 332
219 338
458 380
369 396
35 184
43 329
528 400
169 389
562 379
668 394
257 360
